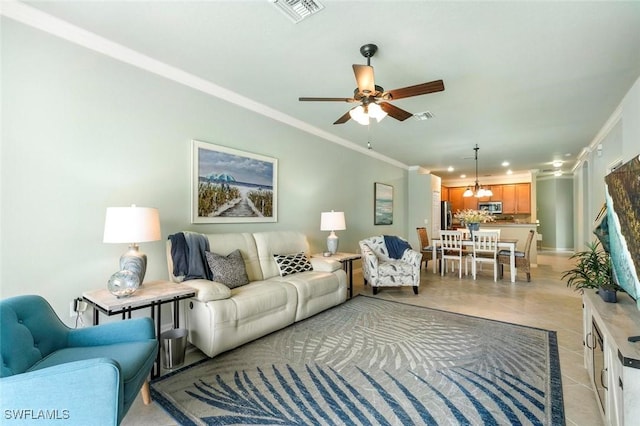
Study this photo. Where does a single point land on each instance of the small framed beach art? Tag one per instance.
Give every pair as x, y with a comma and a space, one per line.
383, 204
232, 186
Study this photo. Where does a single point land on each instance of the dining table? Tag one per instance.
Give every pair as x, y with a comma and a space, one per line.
503, 244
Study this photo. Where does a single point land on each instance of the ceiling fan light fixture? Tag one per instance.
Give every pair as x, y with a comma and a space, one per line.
376, 112
359, 115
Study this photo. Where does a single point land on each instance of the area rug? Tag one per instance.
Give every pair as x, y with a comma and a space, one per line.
376, 362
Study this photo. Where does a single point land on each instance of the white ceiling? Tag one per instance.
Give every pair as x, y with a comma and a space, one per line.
529, 82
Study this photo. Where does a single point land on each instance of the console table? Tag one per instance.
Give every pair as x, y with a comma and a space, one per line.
347, 264
151, 295
612, 361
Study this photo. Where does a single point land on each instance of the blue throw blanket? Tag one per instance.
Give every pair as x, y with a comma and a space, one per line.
396, 246
187, 253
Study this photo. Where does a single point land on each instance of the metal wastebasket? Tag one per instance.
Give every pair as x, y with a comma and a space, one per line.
174, 346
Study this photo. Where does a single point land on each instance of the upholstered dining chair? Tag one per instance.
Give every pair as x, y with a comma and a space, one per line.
485, 250
384, 266
425, 249
523, 261
88, 375
451, 243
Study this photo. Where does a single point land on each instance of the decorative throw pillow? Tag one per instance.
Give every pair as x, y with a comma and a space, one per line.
291, 263
228, 270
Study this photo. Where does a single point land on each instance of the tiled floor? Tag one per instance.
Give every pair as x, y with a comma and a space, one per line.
545, 302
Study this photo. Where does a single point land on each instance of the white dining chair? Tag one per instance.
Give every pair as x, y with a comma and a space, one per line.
485, 250
451, 243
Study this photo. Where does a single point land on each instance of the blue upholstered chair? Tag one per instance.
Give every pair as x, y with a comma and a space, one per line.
85, 376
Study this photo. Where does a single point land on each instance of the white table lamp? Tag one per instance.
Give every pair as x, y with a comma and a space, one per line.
132, 225
332, 221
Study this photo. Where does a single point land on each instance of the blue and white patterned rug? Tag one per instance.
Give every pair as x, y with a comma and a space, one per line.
376, 362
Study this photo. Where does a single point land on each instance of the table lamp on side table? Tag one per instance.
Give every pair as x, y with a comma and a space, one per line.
332, 221
132, 225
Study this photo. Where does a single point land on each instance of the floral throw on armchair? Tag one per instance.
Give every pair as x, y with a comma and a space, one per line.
381, 270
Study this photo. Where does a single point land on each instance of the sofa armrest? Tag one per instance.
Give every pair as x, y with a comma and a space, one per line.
325, 265
209, 290
412, 257
133, 330
66, 393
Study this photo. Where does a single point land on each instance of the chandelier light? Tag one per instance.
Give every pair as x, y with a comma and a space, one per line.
478, 190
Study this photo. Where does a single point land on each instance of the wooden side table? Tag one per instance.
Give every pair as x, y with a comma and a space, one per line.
151, 295
347, 264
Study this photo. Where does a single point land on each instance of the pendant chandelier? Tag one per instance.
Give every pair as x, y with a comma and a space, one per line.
478, 190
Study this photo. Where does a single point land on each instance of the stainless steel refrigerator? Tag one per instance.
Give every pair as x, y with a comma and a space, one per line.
446, 217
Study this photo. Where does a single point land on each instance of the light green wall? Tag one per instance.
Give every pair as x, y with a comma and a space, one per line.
81, 132
617, 141
555, 212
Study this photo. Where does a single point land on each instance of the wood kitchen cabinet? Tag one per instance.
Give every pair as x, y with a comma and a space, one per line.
459, 202
516, 198
444, 193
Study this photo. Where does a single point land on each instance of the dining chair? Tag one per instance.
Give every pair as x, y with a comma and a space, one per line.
521, 257
426, 249
485, 250
451, 243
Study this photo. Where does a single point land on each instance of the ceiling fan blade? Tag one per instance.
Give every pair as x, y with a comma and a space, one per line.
394, 111
327, 99
364, 78
346, 117
418, 89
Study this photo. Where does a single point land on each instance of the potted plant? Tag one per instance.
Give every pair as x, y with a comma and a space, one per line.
593, 270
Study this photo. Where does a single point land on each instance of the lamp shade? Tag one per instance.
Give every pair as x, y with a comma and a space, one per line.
131, 225
332, 221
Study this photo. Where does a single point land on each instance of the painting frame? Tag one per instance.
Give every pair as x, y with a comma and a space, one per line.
232, 186
382, 204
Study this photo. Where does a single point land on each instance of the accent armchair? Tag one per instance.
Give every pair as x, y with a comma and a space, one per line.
381, 269
77, 376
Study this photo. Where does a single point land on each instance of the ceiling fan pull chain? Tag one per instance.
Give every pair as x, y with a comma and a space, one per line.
369, 135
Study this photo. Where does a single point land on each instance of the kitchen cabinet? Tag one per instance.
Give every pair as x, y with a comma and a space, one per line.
459, 202
444, 193
516, 198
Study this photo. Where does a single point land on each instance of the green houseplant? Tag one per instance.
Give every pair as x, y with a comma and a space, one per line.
593, 270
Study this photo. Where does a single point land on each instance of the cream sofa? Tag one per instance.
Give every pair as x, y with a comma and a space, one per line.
219, 318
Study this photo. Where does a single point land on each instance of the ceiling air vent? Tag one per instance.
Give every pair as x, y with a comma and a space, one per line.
297, 10
423, 115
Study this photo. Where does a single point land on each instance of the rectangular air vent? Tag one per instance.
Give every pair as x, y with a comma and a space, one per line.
423, 115
297, 10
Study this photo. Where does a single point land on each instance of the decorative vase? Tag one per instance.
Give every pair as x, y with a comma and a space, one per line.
609, 296
473, 226
123, 283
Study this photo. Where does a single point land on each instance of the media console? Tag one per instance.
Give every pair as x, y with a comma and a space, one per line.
613, 362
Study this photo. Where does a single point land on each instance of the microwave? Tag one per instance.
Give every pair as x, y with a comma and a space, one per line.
493, 207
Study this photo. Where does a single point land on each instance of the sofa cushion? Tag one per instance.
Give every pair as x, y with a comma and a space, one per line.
209, 290
228, 270
292, 263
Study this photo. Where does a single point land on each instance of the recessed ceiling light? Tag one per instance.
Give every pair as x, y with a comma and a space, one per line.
505, 163
463, 176
450, 169
557, 163
557, 173
509, 172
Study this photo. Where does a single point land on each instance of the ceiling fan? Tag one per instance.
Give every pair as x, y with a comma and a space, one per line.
373, 99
